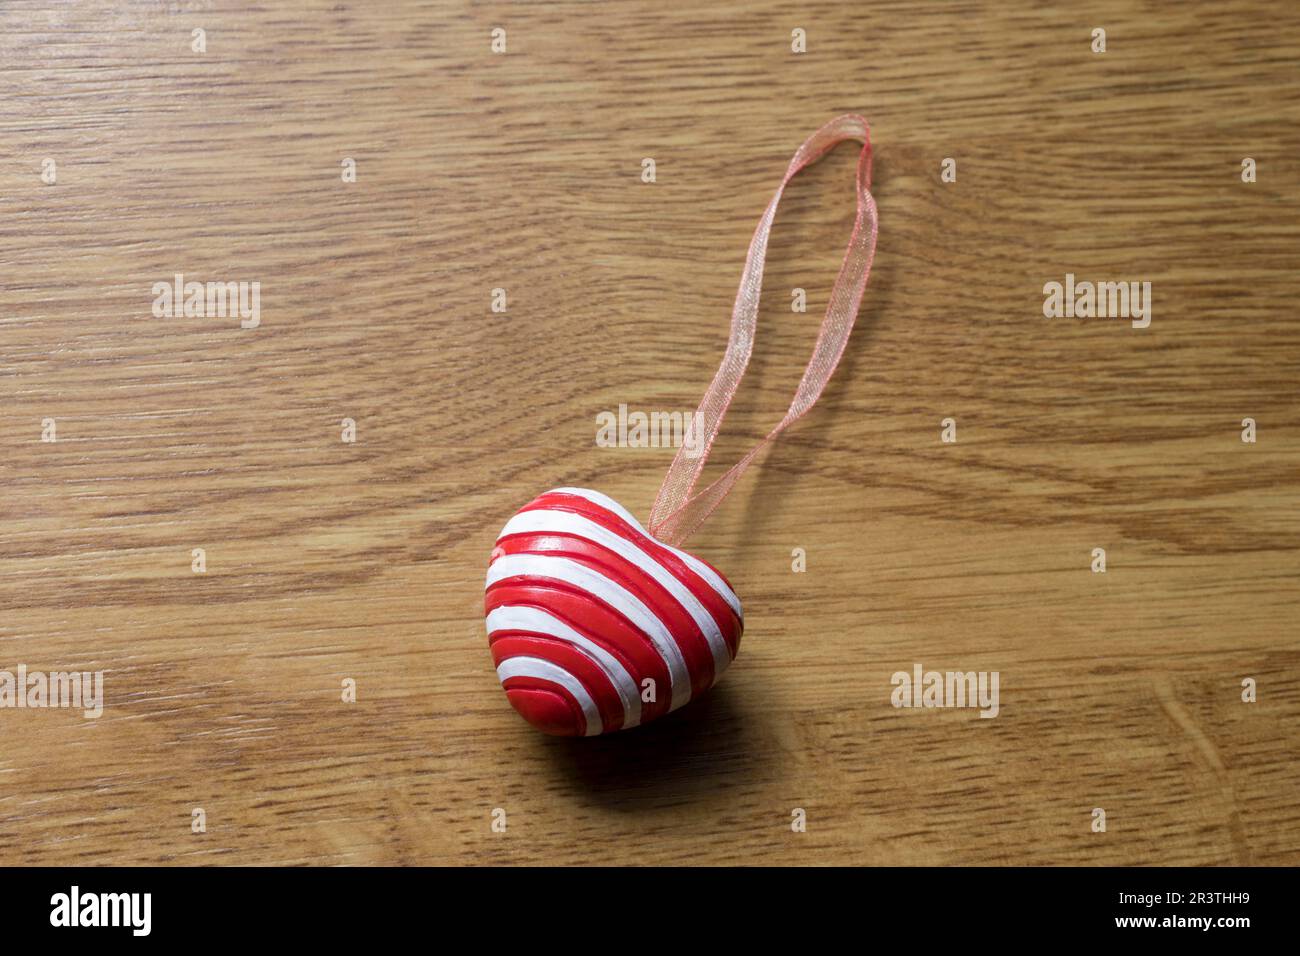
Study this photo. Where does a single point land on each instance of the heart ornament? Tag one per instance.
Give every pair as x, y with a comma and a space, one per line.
598, 624
594, 625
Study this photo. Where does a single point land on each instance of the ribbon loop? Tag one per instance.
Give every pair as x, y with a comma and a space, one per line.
679, 510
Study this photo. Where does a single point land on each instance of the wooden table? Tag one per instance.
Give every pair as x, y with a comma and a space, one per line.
328, 561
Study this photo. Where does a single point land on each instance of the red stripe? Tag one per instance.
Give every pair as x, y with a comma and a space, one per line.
594, 620
591, 675
548, 707
680, 625
728, 623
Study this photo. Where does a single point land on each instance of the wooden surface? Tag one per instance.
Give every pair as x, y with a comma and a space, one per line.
328, 560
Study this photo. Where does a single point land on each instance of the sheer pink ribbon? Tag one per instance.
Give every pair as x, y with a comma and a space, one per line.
679, 510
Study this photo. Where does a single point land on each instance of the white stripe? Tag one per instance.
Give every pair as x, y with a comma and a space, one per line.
536, 621
710, 576
566, 522
612, 593
545, 670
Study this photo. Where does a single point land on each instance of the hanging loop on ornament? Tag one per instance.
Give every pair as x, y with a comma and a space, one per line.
678, 509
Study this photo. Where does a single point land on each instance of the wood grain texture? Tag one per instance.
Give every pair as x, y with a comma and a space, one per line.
328, 560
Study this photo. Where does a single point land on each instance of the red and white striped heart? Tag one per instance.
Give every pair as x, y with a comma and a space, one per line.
594, 624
